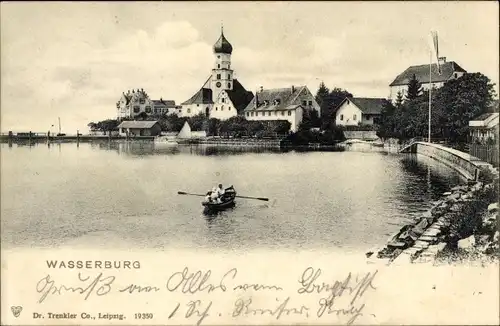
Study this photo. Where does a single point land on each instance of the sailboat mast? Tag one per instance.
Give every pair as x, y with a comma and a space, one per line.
59, 124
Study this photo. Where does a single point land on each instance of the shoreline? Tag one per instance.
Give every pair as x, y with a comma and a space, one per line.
463, 224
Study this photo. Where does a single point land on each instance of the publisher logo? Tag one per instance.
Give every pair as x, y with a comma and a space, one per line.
16, 310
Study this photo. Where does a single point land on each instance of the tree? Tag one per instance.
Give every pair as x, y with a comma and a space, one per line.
399, 100
414, 89
329, 100
321, 94
461, 100
142, 116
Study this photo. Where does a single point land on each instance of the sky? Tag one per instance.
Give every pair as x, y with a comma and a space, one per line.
73, 60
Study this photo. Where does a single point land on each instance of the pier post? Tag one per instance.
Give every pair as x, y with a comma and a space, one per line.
30, 137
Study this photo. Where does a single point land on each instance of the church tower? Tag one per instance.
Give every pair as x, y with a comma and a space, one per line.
222, 74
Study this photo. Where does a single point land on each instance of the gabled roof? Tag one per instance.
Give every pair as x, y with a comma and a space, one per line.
286, 96
367, 105
164, 103
239, 96
485, 120
137, 124
203, 96
421, 72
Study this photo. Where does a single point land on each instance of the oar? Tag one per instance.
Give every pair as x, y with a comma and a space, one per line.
258, 198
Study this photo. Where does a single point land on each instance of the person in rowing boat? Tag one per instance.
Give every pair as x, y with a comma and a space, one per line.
220, 190
208, 197
215, 196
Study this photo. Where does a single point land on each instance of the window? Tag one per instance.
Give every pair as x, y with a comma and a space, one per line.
156, 110
218, 66
341, 117
275, 113
216, 108
229, 76
269, 113
456, 75
148, 109
228, 85
141, 101
189, 110
304, 103
229, 108
222, 99
252, 114
248, 114
197, 105
222, 108
310, 102
282, 112
354, 117
289, 113
136, 109
218, 76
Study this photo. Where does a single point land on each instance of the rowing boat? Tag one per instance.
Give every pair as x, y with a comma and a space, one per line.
227, 201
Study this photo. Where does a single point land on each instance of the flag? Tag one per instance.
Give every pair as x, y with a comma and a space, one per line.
436, 49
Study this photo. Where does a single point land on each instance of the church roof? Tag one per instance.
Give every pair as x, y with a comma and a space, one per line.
421, 72
203, 96
286, 96
239, 96
222, 45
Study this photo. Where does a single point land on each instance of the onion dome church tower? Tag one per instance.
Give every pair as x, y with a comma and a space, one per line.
222, 74
221, 96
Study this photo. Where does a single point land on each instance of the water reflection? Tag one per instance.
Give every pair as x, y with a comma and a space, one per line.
126, 192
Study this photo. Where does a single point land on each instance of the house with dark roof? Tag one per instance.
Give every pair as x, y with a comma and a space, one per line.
359, 111
135, 102
139, 128
434, 75
221, 96
282, 104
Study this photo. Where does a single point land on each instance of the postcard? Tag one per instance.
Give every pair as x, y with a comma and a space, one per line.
249, 163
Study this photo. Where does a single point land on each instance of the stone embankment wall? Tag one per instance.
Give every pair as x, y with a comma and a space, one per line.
466, 216
464, 163
359, 134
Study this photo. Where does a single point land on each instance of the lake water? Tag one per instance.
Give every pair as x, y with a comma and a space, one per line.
124, 196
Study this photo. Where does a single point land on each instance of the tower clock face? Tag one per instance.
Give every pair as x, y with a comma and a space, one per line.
218, 84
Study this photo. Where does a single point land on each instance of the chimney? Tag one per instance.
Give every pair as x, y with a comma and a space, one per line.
442, 60
261, 88
293, 89
256, 100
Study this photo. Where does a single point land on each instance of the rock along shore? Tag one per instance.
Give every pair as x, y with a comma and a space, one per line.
464, 220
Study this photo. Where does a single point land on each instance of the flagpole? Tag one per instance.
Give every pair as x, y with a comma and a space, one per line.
430, 97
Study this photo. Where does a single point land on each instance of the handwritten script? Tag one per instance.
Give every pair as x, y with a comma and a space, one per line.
313, 296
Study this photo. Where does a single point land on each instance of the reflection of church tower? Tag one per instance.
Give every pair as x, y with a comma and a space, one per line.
222, 75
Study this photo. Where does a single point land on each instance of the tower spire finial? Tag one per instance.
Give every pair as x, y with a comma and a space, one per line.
221, 27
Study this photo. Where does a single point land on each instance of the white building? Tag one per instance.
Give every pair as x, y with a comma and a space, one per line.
449, 70
484, 128
359, 111
282, 104
221, 96
135, 102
